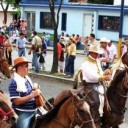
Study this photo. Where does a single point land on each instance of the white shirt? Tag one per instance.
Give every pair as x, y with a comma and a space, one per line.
91, 70
112, 52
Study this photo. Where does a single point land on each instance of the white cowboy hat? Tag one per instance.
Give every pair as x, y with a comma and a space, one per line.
95, 48
104, 39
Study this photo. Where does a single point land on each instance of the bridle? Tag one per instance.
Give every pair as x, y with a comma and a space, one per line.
77, 115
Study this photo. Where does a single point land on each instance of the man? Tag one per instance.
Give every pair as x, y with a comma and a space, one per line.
112, 51
36, 49
23, 93
125, 49
92, 78
104, 58
21, 45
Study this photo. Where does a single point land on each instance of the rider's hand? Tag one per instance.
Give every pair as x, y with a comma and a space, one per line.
106, 77
107, 72
36, 92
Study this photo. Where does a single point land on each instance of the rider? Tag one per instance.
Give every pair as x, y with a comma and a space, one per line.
23, 93
92, 82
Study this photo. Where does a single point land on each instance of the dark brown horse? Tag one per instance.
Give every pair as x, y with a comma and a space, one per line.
7, 114
117, 94
69, 111
4, 66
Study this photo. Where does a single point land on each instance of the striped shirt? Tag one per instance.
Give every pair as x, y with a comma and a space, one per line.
27, 106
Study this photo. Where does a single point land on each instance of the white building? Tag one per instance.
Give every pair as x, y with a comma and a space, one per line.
102, 20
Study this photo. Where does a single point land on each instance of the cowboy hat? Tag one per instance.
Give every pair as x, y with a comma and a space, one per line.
95, 48
19, 61
104, 39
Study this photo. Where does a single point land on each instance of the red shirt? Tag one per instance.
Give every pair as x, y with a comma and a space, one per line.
59, 50
1, 40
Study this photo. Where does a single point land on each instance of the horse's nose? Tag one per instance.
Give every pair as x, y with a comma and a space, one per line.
13, 119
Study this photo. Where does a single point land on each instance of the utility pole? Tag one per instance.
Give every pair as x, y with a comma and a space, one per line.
121, 29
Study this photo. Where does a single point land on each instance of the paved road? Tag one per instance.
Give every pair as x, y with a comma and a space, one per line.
52, 88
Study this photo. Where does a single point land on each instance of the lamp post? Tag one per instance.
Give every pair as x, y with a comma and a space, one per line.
121, 28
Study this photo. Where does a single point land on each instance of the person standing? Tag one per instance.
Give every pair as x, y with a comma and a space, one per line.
36, 49
125, 49
22, 93
69, 67
112, 49
105, 55
21, 45
9, 49
92, 76
43, 54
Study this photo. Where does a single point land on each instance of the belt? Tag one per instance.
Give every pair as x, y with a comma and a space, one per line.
89, 84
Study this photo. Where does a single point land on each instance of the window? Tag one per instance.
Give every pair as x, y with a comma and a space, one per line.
45, 20
64, 21
110, 23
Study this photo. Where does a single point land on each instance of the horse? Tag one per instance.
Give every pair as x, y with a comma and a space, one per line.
69, 110
116, 96
4, 66
7, 115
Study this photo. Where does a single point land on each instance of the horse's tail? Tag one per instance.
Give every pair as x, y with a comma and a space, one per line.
77, 79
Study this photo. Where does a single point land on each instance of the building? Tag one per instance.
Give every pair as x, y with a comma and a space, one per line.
10, 15
75, 18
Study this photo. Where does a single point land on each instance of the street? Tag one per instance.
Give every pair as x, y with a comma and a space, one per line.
51, 88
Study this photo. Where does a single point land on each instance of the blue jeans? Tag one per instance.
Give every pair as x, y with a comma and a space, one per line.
24, 119
22, 52
70, 65
35, 62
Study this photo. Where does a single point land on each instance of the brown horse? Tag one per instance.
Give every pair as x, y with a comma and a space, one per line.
7, 114
4, 66
68, 112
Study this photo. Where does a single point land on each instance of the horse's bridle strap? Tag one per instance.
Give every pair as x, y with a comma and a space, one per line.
5, 114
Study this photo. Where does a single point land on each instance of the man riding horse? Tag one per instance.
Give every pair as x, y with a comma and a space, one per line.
93, 76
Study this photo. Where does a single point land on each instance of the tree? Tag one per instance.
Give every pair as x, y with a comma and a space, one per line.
5, 5
55, 23
101, 1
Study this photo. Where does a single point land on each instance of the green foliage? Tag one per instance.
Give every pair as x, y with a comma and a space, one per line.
101, 1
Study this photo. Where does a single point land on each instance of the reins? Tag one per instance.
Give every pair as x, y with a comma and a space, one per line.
5, 115
77, 115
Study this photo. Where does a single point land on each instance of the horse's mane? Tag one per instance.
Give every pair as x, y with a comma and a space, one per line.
113, 85
52, 113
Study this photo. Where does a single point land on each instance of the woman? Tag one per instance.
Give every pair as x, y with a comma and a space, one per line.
69, 69
9, 48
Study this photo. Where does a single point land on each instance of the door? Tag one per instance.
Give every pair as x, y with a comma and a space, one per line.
30, 20
87, 28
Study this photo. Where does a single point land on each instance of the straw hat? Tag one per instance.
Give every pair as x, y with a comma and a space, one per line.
19, 61
71, 38
95, 48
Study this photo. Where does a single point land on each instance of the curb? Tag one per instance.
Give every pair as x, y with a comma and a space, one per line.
50, 77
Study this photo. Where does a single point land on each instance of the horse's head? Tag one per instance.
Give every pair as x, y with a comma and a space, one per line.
76, 110
4, 67
6, 112
80, 113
